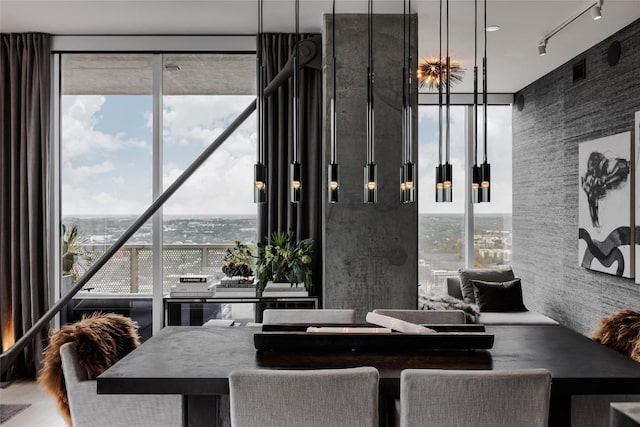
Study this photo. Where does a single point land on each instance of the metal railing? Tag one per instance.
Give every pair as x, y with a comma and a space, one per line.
130, 269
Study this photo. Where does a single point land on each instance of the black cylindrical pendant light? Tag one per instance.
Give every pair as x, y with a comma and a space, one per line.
407, 174
447, 170
475, 170
439, 167
259, 169
333, 174
370, 169
485, 169
295, 171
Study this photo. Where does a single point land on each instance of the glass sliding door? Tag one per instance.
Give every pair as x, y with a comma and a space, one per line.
202, 95
105, 173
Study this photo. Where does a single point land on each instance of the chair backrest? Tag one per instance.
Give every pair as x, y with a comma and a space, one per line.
312, 398
95, 410
479, 398
425, 316
336, 317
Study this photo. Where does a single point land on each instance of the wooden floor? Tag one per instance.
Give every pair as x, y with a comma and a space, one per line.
42, 412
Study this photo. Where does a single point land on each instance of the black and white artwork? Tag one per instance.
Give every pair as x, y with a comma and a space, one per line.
606, 212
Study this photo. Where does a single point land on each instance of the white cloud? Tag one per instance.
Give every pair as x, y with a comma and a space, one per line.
80, 115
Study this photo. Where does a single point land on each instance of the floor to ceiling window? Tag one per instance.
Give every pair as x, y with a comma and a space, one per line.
442, 241
109, 155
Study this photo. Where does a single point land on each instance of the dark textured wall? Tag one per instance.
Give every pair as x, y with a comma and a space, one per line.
559, 114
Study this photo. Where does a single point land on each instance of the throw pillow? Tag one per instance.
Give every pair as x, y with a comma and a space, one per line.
486, 275
499, 297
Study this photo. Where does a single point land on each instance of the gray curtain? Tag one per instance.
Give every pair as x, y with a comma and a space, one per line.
279, 214
24, 157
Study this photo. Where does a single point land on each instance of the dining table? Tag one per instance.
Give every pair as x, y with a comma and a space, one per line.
195, 362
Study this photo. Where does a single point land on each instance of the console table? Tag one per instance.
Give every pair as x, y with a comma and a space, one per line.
196, 311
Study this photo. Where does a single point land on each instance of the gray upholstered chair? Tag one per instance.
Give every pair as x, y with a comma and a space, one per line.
312, 398
95, 410
425, 316
336, 317
474, 398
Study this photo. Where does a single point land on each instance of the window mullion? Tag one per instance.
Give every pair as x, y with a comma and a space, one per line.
157, 298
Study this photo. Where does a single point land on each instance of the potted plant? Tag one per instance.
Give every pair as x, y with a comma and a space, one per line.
283, 259
239, 261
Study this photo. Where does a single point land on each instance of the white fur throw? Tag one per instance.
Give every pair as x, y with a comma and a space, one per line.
447, 302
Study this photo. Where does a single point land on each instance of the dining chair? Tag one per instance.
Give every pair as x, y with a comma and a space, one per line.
328, 316
425, 316
479, 398
112, 410
311, 398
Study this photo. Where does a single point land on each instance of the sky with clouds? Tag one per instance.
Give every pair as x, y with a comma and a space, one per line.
106, 156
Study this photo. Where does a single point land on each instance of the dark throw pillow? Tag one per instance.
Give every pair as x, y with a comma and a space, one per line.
499, 297
485, 275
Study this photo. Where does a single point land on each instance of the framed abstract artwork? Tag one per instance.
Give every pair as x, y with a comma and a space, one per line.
606, 205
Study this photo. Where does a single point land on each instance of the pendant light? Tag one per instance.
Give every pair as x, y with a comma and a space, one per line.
475, 170
439, 180
259, 169
485, 169
296, 173
447, 169
334, 172
407, 170
370, 169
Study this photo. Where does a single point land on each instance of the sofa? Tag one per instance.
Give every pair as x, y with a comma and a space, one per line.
528, 317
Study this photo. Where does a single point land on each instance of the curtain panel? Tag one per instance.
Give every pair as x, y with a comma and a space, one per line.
279, 214
25, 78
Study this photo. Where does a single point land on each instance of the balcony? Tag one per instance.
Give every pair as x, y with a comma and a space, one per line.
130, 270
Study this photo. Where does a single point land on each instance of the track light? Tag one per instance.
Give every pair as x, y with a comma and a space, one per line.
596, 13
542, 48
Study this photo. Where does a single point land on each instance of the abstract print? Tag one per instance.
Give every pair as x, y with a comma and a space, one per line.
605, 215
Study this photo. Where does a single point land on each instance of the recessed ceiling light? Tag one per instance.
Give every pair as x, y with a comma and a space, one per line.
172, 67
491, 28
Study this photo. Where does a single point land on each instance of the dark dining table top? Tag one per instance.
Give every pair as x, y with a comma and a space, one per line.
198, 360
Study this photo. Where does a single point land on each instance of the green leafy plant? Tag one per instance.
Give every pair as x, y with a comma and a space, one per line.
239, 260
282, 259
70, 251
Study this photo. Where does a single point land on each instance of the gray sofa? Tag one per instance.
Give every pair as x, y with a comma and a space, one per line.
512, 318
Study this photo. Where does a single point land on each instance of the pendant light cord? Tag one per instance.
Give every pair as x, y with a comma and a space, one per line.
448, 140
475, 84
409, 86
296, 94
484, 82
260, 86
370, 136
440, 94
333, 91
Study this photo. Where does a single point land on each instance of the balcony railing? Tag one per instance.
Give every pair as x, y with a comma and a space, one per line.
130, 269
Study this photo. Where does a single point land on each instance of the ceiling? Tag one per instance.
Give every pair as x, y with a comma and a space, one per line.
513, 60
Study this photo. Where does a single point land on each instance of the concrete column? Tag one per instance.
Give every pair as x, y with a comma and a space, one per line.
370, 251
